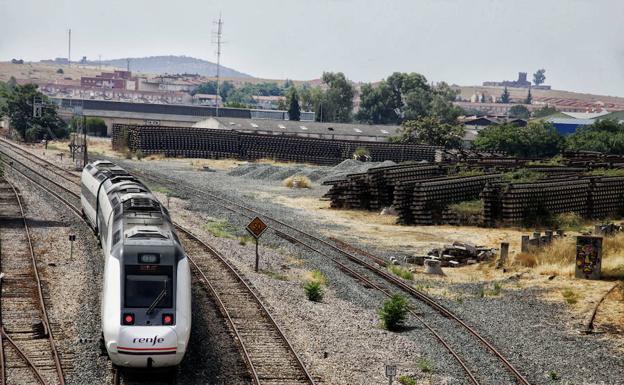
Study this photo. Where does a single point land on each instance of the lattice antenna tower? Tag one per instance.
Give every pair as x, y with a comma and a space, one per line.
69, 48
217, 39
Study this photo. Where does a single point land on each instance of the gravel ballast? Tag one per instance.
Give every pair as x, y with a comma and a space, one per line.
538, 337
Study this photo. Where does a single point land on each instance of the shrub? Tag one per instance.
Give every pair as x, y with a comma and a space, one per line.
407, 380
570, 296
394, 312
522, 175
314, 291
425, 365
402, 272
318, 276
220, 228
569, 221
465, 173
465, 208
361, 151
139, 154
297, 181
276, 275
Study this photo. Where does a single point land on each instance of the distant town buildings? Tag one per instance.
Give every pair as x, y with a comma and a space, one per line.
111, 80
522, 82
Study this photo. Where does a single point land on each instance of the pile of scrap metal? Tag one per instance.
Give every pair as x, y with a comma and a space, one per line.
461, 253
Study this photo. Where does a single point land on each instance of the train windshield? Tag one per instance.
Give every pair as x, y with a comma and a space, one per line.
149, 289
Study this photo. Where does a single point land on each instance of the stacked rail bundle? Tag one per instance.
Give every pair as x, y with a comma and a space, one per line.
351, 192
593, 159
524, 202
606, 197
374, 189
290, 149
383, 180
491, 196
431, 198
215, 143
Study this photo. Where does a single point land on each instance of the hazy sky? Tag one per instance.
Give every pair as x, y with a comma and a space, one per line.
580, 43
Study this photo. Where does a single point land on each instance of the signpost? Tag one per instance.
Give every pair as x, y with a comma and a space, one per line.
256, 228
72, 238
390, 372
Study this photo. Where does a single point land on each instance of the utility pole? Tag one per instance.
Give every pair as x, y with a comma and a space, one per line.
219, 24
69, 50
100, 61
128, 64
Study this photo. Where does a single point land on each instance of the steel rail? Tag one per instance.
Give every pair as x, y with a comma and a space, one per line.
394, 280
258, 301
42, 306
362, 278
206, 281
414, 292
21, 151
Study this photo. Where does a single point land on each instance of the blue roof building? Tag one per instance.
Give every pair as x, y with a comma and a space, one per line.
567, 126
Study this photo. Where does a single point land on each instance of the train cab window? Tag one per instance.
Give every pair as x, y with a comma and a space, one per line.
148, 286
116, 237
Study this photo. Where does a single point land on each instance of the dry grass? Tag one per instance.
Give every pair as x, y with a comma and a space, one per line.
558, 258
297, 181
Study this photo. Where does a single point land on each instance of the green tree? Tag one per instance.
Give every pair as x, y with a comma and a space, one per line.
294, 110
376, 105
210, 88
519, 111
529, 98
337, 102
407, 96
18, 107
309, 98
544, 111
95, 126
505, 98
430, 130
605, 136
537, 139
539, 77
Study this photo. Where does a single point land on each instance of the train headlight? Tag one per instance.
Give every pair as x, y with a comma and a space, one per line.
167, 319
128, 319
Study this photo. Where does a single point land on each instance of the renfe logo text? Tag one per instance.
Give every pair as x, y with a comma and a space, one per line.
150, 340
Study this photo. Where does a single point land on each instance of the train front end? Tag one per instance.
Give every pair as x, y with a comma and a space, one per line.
147, 320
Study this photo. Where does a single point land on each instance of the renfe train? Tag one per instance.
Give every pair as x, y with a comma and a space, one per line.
146, 295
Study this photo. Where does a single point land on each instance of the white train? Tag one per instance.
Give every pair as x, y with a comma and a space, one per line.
146, 296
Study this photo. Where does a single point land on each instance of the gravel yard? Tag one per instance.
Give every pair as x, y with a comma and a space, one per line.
340, 338
538, 334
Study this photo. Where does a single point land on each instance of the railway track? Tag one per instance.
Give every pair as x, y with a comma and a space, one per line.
268, 354
28, 352
370, 269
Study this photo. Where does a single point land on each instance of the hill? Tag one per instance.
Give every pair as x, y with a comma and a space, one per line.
172, 65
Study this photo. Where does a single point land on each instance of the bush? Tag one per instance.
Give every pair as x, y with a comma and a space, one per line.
425, 365
569, 221
407, 380
537, 139
314, 291
297, 181
394, 312
473, 207
361, 151
402, 272
570, 296
522, 175
139, 154
605, 135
